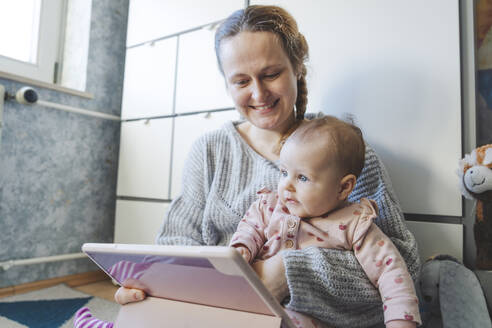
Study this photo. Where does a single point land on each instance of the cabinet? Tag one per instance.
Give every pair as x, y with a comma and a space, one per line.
144, 218
148, 88
145, 159
150, 19
170, 72
450, 239
199, 83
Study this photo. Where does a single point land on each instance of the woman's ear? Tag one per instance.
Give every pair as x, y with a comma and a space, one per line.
347, 184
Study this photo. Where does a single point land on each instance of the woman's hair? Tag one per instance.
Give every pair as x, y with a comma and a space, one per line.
278, 21
344, 140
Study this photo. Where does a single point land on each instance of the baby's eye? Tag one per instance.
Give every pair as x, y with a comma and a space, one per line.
303, 178
283, 173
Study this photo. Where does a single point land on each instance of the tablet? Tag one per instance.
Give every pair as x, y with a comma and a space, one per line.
213, 276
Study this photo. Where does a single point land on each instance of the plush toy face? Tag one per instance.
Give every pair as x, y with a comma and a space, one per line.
476, 172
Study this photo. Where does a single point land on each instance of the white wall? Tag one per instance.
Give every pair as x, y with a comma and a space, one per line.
395, 65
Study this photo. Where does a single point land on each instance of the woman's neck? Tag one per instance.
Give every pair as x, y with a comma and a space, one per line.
264, 142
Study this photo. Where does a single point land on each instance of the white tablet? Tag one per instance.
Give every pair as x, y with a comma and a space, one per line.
211, 276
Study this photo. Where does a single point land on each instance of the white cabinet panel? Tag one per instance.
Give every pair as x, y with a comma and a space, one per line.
438, 238
187, 130
138, 222
144, 163
200, 84
150, 19
396, 67
148, 88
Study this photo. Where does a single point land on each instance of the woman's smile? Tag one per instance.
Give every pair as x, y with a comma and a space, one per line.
265, 109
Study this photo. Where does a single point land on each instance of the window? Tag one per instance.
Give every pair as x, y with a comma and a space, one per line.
45, 40
30, 37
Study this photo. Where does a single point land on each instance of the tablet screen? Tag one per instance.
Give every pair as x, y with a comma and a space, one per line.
180, 278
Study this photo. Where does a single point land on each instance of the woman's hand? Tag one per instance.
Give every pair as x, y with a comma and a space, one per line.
126, 295
272, 274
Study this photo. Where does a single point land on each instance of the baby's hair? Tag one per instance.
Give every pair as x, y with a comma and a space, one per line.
345, 141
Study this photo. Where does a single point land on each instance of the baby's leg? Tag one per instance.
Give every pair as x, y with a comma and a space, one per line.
84, 319
304, 321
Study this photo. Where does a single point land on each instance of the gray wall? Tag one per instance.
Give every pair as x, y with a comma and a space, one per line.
57, 169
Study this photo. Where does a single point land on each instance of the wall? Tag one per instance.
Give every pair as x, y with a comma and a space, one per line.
57, 169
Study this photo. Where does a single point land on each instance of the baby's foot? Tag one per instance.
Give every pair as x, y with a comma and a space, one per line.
84, 319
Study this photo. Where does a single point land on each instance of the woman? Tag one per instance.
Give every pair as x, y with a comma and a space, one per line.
261, 55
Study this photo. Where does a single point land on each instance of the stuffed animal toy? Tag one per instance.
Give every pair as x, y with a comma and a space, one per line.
450, 295
475, 171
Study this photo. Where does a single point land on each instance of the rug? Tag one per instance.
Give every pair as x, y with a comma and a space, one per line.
52, 307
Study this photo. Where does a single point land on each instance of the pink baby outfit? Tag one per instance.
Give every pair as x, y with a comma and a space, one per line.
268, 228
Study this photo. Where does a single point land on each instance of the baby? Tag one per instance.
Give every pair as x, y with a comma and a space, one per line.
319, 165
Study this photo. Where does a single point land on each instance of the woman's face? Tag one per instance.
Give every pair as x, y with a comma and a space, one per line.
260, 79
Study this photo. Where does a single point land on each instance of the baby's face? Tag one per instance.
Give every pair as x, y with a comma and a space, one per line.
310, 183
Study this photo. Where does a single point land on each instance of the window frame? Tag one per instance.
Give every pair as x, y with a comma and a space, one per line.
51, 24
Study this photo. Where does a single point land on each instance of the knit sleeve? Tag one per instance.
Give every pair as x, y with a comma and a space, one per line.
182, 224
330, 284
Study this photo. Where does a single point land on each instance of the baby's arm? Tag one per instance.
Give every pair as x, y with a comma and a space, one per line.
401, 324
250, 236
386, 269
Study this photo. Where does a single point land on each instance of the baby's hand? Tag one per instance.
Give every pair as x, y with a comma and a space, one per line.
401, 324
127, 295
245, 253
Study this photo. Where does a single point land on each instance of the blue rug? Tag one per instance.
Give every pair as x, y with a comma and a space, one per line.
42, 314
52, 307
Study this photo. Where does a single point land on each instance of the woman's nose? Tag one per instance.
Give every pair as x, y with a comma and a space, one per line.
259, 92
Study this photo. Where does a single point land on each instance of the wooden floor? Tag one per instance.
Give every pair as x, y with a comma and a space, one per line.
95, 283
103, 289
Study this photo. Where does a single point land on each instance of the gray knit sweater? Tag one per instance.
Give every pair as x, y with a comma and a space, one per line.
220, 180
